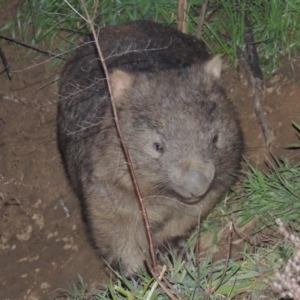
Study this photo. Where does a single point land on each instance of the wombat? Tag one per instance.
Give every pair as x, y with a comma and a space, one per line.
182, 133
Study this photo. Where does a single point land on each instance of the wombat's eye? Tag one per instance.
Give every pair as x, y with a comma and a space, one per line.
215, 139
158, 147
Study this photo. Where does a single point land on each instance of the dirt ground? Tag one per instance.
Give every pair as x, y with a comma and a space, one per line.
43, 244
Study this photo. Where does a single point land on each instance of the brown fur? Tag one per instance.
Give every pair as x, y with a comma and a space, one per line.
181, 131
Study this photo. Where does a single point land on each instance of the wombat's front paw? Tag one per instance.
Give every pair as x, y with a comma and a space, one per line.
180, 251
164, 254
130, 266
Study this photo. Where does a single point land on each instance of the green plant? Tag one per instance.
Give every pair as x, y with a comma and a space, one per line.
269, 196
297, 127
275, 23
186, 281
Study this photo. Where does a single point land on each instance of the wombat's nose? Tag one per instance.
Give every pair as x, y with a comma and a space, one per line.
196, 183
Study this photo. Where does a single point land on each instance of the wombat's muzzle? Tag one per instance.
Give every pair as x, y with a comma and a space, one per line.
193, 183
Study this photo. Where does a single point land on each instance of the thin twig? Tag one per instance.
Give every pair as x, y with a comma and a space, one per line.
31, 46
168, 283
201, 20
6, 64
33, 16
211, 291
124, 146
80, 15
255, 78
208, 293
181, 15
198, 245
244, 237
158, 280
197, 250
257, 87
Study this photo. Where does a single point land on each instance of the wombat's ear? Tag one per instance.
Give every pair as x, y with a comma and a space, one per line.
120, 82
213, 67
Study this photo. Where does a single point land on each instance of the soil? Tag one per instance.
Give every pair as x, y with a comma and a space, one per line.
43, 243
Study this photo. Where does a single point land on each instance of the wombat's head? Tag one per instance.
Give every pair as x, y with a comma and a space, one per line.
181, 131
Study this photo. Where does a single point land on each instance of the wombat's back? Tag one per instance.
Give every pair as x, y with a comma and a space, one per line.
144, 46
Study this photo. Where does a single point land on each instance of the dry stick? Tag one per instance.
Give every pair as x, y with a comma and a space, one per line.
181, 15
30, 46
198, 247
243, 236
201, 20
167, 282
128, 158
32, 15
211, 291
158, 280
6, 64
207, 293
257, 88
256, 82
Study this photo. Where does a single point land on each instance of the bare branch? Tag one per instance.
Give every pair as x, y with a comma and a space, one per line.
257, 86
122, 140
158, 280
130, 50
77, 12
211, 291
31, 46
181, 15
6, 64
201, 20
255, 78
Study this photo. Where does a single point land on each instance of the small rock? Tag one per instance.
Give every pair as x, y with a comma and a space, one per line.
39, 220
4, 239
37, 204
270, 90
65, 239
23, 259
45, 285
25, 235
67, 247
4, 247
275, 78
31, 259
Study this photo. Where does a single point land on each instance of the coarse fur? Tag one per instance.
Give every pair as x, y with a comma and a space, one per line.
182, 133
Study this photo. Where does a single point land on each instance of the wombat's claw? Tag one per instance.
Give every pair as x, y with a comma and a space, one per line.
158, 253
180, 251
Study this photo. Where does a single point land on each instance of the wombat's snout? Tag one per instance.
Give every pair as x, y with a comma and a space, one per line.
193, 183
